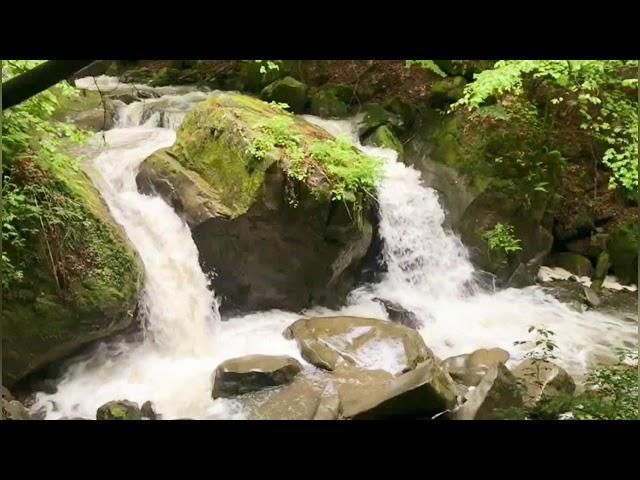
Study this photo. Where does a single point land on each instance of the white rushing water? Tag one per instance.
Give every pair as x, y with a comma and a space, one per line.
428, 273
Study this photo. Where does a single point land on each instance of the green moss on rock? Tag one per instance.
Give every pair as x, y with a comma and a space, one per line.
80, 280
287, 90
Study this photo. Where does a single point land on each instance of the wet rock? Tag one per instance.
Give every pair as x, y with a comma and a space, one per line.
327, 103
119, 410
544, 378
521, 277
469, 369
287, 90
250, 373
383, 137
301, 400
571, 262
592, 298
423, 392
623, 250
497, 391
491, 208
6, 394
404, 108
14, 410
241, 213
602, 268
331, 342
399, 314
148, 410
376, 116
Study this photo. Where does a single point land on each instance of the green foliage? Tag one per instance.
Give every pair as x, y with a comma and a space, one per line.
603, 91
350, 173
501, 238
267, 65
427, 65
34, 204
611, 391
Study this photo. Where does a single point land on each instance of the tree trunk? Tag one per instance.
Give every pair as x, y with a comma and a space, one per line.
30, 83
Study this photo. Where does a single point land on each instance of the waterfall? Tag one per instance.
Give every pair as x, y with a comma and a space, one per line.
428, 272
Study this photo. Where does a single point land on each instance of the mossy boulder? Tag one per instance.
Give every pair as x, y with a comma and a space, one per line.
447, 91
287, 90
376, 116
254, 76
75, 288
327, 102
119, 410
88, 110
250, 205
176, 76
572, 262
623, 252
383, 137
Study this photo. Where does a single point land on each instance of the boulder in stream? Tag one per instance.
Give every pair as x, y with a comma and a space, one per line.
544, 378
119, 410
241, 375
365, 343
250, 206
398, 314
469, 369
497, 392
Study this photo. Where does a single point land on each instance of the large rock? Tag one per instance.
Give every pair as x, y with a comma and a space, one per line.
119, 410
383, 137
447, 91
497, 392
623, 251
491, 208
303, 399
326, 102
90, 293
365, 343
241, 375
544, 378
423, 392
287, 90
248, 215
14, 410
376, 116
470, 368
573, 262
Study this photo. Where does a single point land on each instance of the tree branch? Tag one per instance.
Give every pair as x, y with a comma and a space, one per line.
38, 79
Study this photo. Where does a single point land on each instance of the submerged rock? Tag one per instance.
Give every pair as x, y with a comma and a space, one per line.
248, 214
119, 410
469, 369
399, 314
241, 375
497, 391
544, 378
331, 342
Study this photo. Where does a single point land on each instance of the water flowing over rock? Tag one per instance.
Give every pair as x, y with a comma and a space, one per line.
398, 314
246, 374
367, 343
242, 223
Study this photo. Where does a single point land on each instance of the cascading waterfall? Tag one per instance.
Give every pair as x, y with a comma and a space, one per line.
428, 272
